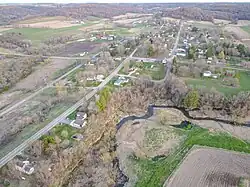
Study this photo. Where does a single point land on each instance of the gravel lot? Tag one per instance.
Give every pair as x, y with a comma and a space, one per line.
207, 167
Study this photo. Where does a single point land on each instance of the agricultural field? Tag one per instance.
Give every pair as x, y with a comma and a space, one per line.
246, 28
243, 84
152, 172
212, 167
149, 159
37, 35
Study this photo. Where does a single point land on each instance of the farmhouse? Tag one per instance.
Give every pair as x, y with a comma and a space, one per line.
120, 81
207, 74
80, 120
24, 167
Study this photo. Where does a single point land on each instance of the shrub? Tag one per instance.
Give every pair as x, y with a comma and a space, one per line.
64, 134
192, 99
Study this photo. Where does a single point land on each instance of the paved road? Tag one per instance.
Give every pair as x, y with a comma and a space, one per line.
38, 91
57, 120
147, 59
52, 57
171, 58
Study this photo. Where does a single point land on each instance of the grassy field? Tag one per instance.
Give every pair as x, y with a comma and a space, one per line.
40, 34
246, 28
154, 172
157, 72
216, 83
37, 35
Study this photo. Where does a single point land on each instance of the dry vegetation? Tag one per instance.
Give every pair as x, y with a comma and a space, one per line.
211, 167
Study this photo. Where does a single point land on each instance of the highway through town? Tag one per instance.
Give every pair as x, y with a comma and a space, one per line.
57, 120
38, 91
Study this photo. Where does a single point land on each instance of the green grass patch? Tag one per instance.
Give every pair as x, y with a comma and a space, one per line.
64, 131
153, 173
155, 70
72, 116
36, 35
244, 85
246, 28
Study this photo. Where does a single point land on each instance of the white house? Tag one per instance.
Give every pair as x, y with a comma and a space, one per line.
24, 167
100, 78
207, 74
80, 120
209, 61
181, 54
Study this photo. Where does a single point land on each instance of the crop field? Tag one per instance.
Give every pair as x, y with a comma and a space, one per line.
154, 172
246, 28
211, 167
216, 83
37, 35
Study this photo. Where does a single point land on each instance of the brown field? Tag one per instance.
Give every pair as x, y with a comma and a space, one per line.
77, 47
207, 167
4, 29
97, 27
238, 32
43, 19
126, 21
55, 24
46, 72
130, 15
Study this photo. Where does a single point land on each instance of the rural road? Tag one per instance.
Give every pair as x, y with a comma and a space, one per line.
51, 57
57, 120
38, 91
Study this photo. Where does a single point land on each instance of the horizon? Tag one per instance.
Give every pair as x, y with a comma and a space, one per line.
118, 1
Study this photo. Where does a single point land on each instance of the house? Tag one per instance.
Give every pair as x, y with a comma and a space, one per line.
80, 120
181, 54
230, 73
111, 37
164, 61
100, 78
120, 81
207, 74
104, 37
24, 167
209, 61
118, 59
215, 76
179, 50
92, 39
83, 54
210, 58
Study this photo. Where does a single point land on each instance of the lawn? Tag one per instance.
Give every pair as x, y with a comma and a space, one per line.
157, 72
64, 131
154, 172
216, 83
246, 28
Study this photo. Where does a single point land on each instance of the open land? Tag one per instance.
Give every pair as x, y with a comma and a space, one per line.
211, 167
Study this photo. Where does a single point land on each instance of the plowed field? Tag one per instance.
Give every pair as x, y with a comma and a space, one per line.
207, 167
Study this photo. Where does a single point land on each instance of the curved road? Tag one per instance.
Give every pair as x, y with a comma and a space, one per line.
57, 120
